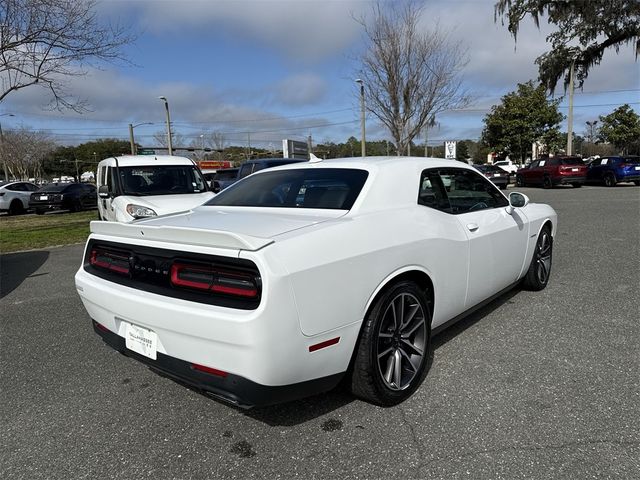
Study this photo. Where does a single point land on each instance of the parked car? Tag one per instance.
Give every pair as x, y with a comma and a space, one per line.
14, 196
139, 186
301, 276
549, 172
496, 174
252, 166
64, 196
223, 178
611, 170
507, 165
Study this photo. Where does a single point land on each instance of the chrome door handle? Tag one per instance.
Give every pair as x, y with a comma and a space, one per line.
472, 227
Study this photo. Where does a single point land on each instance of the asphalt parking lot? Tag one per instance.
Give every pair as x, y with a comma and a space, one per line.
535, 385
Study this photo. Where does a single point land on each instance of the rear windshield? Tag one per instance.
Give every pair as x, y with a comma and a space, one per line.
226, 174
54, 187
571, 161
631, 160
328, 188
161, 180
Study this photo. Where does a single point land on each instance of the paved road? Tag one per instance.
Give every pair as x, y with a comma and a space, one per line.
536, 385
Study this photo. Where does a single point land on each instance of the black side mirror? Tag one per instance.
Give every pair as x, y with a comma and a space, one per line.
103, 191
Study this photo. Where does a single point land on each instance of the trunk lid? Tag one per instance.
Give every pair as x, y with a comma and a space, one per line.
237, 228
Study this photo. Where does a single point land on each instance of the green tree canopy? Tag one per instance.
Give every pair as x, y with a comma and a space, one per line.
585, 30
523, 117
622, 129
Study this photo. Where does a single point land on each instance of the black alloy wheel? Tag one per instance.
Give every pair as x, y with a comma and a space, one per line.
610, 180
539, 271
394, 349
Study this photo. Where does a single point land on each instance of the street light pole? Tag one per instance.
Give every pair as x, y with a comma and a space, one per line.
131, 141
4, 162
362, 117
166, 106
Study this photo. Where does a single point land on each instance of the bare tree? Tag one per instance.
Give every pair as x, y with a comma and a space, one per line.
177, 139
46, 42
24, 150
410, 74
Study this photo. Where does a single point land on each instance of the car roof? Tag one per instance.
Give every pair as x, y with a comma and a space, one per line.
145, 160
379, 163
399, 175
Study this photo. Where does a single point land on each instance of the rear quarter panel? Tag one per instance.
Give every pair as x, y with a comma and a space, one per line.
338, 268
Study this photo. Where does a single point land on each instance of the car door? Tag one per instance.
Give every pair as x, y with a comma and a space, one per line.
497, 240
106, 176
532, 174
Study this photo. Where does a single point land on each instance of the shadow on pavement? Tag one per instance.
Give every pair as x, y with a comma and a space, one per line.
471, 319
301, 411
16, 267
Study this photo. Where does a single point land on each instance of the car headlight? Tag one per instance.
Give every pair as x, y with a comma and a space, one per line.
138, 211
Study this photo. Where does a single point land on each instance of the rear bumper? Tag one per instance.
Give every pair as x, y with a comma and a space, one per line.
231, 388
266, 357
48, 205
568, 180
629, 178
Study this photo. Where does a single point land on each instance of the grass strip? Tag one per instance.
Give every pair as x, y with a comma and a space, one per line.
28, 232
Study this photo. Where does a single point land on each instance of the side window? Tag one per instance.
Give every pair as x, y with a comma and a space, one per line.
102, 176
468, 191
31, 187
432, 192
534, 164
245, 170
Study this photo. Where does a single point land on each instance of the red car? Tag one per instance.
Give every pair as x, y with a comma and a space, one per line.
550, 172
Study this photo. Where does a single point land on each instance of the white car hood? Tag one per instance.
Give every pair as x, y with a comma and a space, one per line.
163, 204
256, 222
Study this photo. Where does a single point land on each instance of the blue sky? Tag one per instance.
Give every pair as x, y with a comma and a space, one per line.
269, 70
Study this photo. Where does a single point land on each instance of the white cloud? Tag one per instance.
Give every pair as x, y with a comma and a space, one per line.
307, 30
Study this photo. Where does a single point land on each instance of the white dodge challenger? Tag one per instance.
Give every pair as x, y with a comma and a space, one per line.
301, 276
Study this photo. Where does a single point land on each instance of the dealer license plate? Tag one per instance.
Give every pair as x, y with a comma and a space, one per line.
574, 169
496, 174
141, 340
637, 168
43, 197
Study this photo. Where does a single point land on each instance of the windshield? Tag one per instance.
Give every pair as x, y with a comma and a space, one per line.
161, 180
329, 188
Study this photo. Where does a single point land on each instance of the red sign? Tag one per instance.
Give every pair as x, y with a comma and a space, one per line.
214, 164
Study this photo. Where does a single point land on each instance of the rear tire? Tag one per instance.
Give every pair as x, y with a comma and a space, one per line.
576, 185
637, 183
519, 181
39, 211
610, 180
547, 183
394, 349
539, 271
504, 187
16, 207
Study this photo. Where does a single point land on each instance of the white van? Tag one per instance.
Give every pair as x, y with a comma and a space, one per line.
138, 186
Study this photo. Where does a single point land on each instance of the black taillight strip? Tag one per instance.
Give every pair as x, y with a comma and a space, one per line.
210, 279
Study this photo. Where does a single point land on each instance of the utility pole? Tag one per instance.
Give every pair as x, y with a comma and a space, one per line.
169, 139
133, 145
570, 114
362, 117
309, 146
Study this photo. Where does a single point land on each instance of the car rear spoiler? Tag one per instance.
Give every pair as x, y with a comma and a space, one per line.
181, 235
